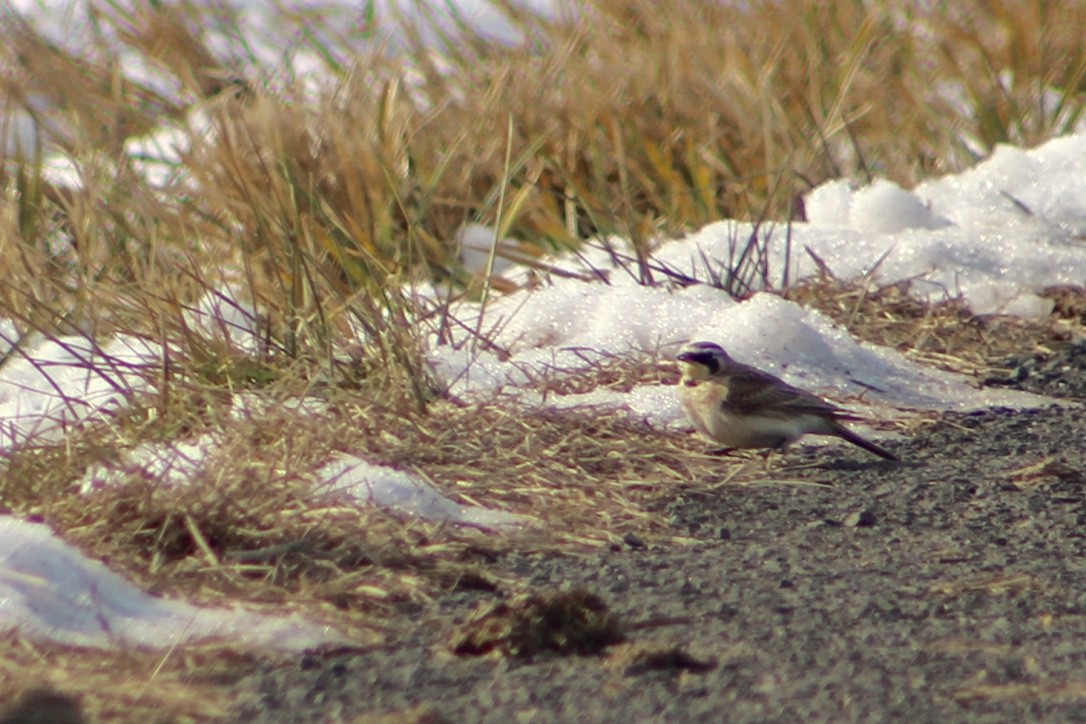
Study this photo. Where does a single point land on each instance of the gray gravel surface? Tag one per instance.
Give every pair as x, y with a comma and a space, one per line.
950, 587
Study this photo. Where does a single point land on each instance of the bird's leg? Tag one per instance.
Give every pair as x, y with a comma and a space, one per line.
768, 455
779, 447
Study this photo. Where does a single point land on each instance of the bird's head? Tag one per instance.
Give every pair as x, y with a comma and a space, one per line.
700, 360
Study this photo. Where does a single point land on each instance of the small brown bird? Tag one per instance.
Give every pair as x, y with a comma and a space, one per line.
742, 407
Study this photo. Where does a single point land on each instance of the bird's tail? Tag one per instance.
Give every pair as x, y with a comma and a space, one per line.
845, 434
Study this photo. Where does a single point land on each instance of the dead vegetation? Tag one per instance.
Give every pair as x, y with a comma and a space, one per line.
565, 622
946, 334
151, 686
253, 522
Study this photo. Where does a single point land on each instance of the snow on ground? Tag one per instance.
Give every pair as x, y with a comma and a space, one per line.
346, 478
560, 327
51, 590
968, 234
47, 385
369, 484
996, 236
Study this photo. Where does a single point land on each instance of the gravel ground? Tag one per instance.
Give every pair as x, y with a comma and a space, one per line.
949, 587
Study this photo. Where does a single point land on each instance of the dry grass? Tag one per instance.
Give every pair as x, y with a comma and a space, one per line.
632, 118
178, 685
322, 205
252, 522
945, 335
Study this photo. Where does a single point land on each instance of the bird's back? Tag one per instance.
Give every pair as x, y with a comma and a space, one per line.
752, 391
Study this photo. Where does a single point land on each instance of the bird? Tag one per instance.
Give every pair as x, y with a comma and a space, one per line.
741, 406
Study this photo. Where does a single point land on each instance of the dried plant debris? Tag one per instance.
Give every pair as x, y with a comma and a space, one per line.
947, 334
564, 622
1049, 471
1068, 301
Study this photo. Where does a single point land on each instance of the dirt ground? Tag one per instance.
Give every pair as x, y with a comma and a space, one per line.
949, 587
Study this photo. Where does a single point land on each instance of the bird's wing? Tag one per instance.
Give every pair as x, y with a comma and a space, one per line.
752, 391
